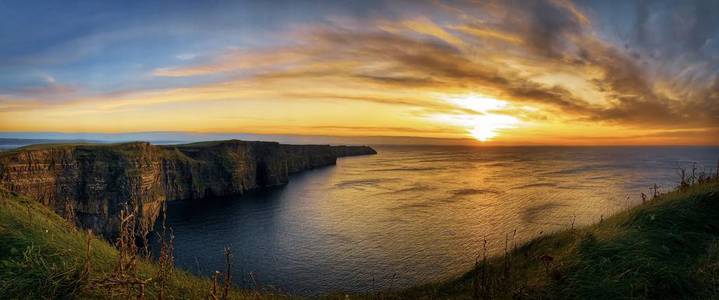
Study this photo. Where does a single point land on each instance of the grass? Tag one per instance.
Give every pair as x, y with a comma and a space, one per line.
666, 248
44, 257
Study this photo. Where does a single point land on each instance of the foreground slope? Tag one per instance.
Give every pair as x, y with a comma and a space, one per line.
667, 248
44, 257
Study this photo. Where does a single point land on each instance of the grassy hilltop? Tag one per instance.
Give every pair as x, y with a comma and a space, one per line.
666, 248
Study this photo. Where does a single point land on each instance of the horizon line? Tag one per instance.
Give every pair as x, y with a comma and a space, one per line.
192, 136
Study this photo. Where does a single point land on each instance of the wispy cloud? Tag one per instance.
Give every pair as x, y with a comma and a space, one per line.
555, 58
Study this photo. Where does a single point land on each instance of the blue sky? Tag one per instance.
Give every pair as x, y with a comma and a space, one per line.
658, 63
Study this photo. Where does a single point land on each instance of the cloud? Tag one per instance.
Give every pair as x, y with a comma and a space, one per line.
661, 76
419, 53
186, 56
414, 102
392, 55
427, 27
487, 33
237, 60
47, 88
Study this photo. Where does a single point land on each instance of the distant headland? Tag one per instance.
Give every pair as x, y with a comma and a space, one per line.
94, 182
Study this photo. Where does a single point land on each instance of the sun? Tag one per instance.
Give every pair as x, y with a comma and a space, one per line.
482, 134
487, 126
487, 123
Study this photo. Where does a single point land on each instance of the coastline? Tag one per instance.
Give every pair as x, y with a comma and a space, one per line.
585, 262
95, 182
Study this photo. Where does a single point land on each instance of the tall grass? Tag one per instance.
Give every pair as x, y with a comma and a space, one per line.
667, 247
42, 257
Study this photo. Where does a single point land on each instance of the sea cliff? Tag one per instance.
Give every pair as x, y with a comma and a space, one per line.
94, 182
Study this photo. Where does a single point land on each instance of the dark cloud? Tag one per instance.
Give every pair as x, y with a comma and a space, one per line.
425, 63
635, 98
668, 31
675, 28
639, 85
558, 33
546, 26
635, 76
659, 70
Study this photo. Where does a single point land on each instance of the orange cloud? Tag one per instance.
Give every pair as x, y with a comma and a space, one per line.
391, 77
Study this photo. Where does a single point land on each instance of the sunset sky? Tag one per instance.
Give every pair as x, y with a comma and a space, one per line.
491, 72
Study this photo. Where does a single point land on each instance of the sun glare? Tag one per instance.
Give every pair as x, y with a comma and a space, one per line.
488, 126
486, 123
483, 134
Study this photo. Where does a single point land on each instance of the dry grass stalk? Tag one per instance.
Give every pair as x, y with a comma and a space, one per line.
213, 288
506, 257
88, 262
257, 285
228, 273
69, 214
166, 261
688, 178
226, 279
655, 189
127, 258
144, 233
574, 220
481, 282
125, 276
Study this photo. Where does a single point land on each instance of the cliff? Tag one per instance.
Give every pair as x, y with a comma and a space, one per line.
94, 182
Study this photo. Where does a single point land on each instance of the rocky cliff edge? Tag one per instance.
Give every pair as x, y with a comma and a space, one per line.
93, 182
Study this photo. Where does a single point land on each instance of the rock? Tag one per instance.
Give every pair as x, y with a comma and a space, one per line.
99, 180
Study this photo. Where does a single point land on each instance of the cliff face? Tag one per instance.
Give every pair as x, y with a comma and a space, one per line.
97, 181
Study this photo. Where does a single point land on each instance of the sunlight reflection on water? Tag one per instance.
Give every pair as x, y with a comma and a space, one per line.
420, 212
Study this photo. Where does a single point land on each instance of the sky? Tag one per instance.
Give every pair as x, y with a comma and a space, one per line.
528, 72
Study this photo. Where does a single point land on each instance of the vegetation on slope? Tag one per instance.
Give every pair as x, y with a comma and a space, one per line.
665, 248
42, 256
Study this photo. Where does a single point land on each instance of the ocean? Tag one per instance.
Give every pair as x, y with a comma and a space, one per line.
415, 214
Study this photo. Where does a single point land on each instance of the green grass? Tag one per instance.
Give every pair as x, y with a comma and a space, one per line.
73, 145
667, 248
43, 257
